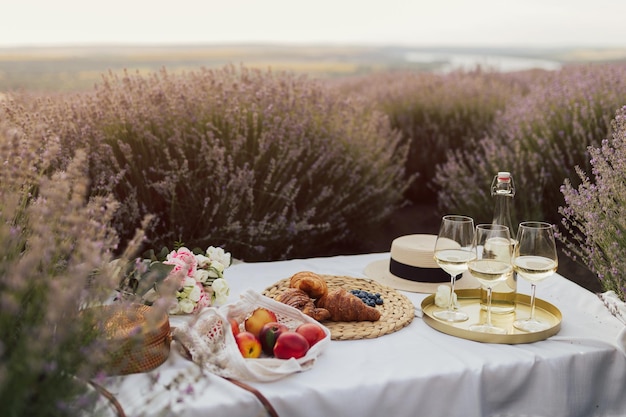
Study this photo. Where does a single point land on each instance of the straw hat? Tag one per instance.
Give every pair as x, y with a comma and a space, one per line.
411, 267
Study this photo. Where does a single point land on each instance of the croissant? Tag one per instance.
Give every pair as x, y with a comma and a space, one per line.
344, 306
309, 282
301, 300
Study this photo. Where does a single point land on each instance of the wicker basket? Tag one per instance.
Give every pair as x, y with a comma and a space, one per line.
137, 338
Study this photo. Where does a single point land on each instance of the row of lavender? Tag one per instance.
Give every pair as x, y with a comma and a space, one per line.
267, 165
553, 130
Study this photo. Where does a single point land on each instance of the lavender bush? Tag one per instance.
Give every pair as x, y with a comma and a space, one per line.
594, 215
267, 165
437, 113
540, 138
52, 241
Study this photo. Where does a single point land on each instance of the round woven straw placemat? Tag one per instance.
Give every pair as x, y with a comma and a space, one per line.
397, 311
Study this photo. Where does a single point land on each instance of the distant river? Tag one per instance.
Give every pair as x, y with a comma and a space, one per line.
452, 61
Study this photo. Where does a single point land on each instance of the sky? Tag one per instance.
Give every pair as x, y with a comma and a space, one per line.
497, 23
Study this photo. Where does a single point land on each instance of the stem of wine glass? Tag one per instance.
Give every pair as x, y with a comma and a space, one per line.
489, 290
451, 303
532, 302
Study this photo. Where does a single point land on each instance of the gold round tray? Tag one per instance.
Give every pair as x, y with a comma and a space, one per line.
469, 301
397, 311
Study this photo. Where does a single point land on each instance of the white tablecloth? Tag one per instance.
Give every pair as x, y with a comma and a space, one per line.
416, 371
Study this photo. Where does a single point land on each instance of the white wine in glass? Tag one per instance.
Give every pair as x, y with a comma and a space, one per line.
534, 259
452, 253
493, 249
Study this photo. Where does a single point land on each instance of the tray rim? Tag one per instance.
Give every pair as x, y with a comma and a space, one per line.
517, 338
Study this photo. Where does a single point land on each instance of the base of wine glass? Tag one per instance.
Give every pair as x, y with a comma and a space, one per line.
451, 315
486, 328
530, 325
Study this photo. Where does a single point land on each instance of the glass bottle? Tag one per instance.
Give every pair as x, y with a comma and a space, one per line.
503, 295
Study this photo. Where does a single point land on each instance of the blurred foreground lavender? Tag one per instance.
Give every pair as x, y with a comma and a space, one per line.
53, 239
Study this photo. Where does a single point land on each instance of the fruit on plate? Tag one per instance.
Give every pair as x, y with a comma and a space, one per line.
312, 332
268, 335
234, 325
259, 317
290, 345
248, 344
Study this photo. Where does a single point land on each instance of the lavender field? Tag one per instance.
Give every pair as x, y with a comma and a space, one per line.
274, 164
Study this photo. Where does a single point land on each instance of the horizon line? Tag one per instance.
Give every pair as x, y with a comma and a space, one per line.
326, 44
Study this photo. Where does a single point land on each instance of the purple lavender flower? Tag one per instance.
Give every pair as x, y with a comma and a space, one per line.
594, 214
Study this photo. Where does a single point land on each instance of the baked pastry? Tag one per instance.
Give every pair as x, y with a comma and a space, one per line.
344, 306
309, 282
299, 299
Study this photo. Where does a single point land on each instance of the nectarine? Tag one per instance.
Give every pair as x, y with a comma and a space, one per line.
290, 345
312, 332
268, 335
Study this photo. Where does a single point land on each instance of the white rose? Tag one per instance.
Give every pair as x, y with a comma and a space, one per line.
203, 261
221, 290
442, 297
186, 306
201, 275
195, 294
189, 282
217, 269
220, 267
218, 254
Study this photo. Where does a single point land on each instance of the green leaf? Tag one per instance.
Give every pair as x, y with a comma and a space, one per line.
163, 254
155, 275
149, 254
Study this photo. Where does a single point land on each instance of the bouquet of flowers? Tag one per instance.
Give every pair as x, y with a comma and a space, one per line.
195, 277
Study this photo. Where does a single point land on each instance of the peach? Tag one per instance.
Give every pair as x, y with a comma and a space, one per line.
312, 332
259, 317
290, 345
234, 325
248, 344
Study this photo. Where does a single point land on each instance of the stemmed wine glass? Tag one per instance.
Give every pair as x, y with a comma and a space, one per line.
452, 253
493, 249
535, 259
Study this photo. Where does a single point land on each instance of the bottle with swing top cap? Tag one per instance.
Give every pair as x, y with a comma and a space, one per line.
503, 294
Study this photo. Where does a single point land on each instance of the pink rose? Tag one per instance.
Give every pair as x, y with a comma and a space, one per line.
182, 259
204, 301
175, 278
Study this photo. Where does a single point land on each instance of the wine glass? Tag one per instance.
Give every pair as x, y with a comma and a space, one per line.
492, 263
452, 253
535, 259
